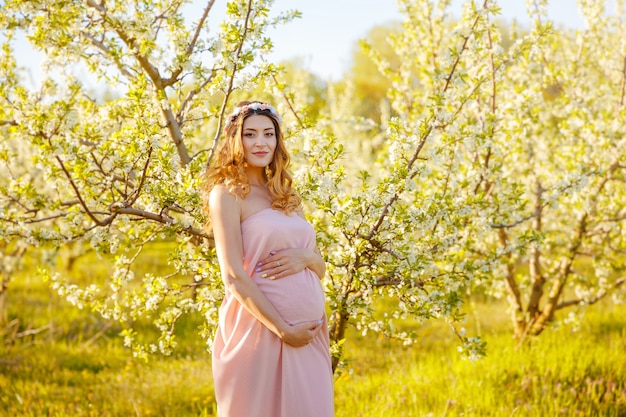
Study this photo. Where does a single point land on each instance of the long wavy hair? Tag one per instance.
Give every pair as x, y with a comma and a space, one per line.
228, 168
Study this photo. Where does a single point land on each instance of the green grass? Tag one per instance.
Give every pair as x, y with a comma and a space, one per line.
78, 367
63, 380
561, 373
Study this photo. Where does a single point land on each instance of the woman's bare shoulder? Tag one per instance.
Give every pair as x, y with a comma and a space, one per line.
219, 189
220, 198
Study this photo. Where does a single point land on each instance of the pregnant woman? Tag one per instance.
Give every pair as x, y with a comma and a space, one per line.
271, 349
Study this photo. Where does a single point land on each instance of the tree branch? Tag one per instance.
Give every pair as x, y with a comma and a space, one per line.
618, 283
106, 50
424, 135
153, 73
515, 296
623, 93
137, 191
463, 48
32, 332
563, 274
192, 44
81, 201
120, 208
289, 103
180, 116
231, 82
534, 261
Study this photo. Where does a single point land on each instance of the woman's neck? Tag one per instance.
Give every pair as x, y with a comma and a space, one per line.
255, 176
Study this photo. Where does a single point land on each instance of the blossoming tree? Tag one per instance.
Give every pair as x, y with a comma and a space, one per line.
120, 174
559, 112
504, 171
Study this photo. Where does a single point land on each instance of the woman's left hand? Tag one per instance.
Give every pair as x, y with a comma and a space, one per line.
284, 262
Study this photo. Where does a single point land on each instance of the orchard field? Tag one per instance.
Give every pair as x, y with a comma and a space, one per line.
76, 366
465, 178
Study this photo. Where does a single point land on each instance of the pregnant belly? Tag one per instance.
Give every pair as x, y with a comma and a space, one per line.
297, 298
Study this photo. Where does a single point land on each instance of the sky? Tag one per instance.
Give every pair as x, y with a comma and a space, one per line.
326, 34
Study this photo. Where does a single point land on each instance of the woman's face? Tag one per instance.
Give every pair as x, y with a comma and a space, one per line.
258, 137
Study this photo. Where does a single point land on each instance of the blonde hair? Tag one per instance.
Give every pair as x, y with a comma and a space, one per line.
228, 168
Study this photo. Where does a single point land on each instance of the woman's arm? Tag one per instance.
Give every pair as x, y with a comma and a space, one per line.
317, 264
291, 261
225, 219
287, 262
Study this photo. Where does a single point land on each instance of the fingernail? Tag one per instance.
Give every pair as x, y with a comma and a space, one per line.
259, 264
272, 252
264, 276
272, 278
258, 270
319, 322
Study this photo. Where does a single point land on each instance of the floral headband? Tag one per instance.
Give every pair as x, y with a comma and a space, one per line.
254, 106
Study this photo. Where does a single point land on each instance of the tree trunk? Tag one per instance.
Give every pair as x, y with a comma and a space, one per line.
514, 296
4, 318
337, 333
519, 330
534, 263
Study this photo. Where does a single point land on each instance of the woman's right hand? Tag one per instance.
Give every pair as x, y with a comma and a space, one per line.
302, 334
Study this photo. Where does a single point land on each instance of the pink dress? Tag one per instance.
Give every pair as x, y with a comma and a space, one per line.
254, 372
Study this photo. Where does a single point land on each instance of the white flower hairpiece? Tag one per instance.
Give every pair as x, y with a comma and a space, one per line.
254, 106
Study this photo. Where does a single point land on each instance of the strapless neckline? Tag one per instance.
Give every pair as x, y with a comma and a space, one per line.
257, 212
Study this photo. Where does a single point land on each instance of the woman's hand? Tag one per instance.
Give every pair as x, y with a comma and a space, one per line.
302, 334
285, 262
